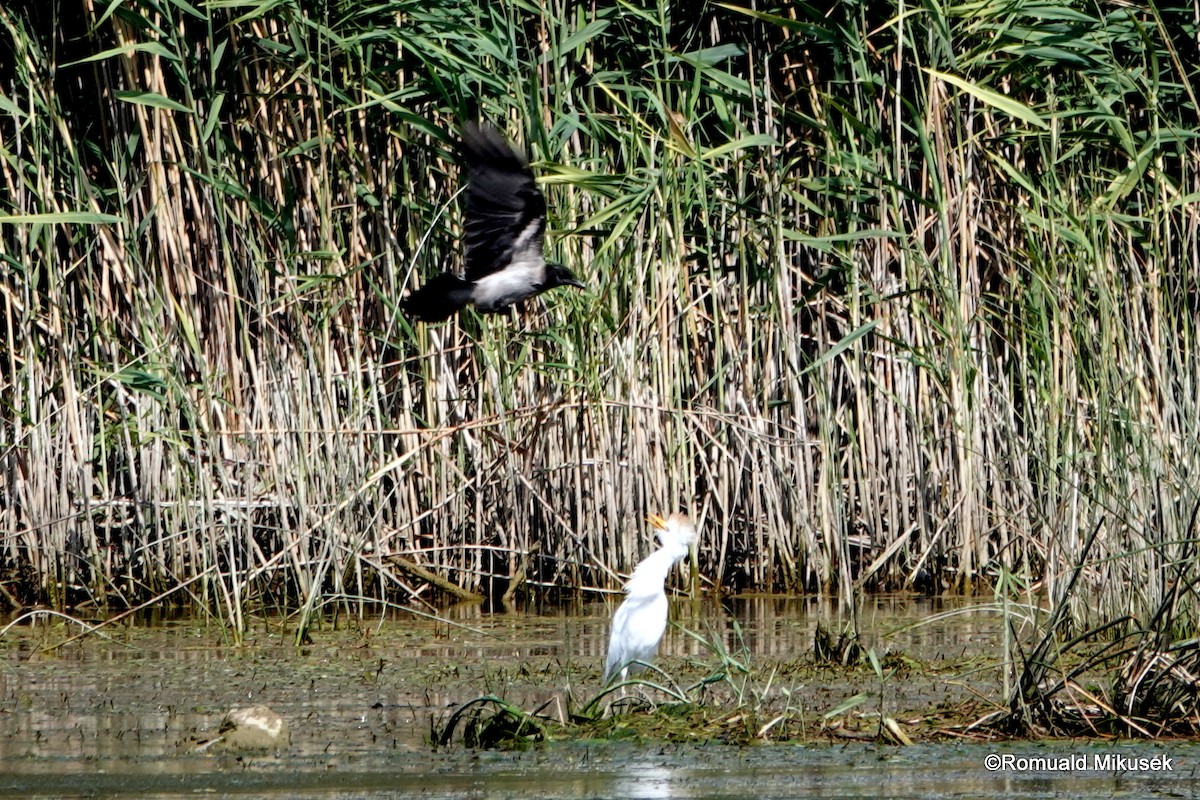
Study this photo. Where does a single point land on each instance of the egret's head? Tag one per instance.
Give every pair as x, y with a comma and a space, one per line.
676, 531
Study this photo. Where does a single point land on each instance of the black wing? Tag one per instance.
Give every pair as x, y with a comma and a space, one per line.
506, 213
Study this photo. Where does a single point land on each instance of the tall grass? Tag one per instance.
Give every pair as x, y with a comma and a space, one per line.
886, 295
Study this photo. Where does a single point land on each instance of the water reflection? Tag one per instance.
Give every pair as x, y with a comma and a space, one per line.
621, 771
649, 782
779, 628
376, 684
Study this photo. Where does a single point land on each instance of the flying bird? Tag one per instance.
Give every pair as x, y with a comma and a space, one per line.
502, 235
641, 619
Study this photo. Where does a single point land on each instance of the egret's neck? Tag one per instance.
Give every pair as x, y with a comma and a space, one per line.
651, 573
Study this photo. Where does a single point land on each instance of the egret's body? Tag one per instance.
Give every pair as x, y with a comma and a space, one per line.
641, 619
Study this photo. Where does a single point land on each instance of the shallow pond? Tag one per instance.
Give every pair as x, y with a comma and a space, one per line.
124, 715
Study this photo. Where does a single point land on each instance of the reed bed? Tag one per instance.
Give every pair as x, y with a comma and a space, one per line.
888, 296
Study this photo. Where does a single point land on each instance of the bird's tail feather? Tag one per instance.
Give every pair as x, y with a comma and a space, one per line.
439, 298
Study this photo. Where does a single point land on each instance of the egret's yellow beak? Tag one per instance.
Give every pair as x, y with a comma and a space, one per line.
657, 521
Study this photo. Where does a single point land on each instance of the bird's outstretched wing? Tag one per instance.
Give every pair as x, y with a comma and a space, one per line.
506, 213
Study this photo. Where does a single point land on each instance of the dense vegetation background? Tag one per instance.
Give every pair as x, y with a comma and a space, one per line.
887, 295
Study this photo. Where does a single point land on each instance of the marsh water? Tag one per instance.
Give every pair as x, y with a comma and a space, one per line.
126, 713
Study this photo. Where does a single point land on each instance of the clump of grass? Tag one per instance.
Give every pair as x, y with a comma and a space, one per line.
490, 723
1129, 675
842, 648
726, 698
1157, 692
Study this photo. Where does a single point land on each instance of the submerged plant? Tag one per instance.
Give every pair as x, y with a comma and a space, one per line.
489, 722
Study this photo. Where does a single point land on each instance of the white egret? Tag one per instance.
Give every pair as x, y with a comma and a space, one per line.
641, 619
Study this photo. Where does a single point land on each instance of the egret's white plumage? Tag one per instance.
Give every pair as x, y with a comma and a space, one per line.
641, 619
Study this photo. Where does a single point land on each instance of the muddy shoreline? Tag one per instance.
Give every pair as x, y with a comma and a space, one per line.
364, 699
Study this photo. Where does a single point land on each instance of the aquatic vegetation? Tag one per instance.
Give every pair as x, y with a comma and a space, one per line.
723, 698
1129, 675
489, 722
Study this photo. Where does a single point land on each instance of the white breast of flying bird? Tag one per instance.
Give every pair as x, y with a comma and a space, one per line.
520, 279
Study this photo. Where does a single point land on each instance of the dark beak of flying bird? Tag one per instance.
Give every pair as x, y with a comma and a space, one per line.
502, 235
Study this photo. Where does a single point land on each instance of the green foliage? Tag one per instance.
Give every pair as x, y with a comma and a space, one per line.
489, 722
878, 291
